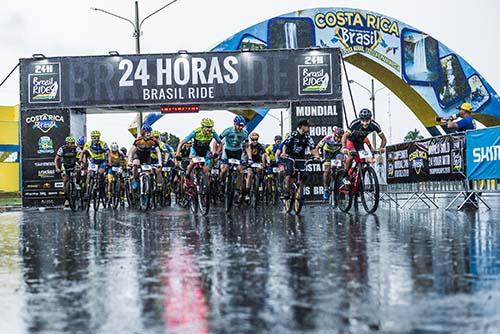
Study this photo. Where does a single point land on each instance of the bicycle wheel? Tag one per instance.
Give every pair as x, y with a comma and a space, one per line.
229, 190
342, 192
96, 197
203, 193
167, 192
116, 194
144, 195
89, 194
332, 200
254, 192
288, 202
369, 189
298, 201
72, 195
193, 195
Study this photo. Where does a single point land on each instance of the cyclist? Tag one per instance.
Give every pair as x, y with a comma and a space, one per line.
96, 151
330, 145
80, 143
66, 160
115, 159
258, 155
201, 137
295, 147
235, 139
140, 152
354, 138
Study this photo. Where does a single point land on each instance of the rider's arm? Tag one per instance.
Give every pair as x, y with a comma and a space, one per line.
344, 139
383, 143
131, 153
368, 143
158, 154
57, 162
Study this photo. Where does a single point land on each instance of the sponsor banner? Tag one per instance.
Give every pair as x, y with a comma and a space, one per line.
42, 133
271, 77
483, 154
322, 117
434, 159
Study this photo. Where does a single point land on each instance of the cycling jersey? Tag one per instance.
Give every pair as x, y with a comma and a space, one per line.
271, 151
69, 155
296, 145
330, 144
257, 152
146, 144
117, 158
185, 151
234, 140
357, 133
97, 151
164, 149
201, 141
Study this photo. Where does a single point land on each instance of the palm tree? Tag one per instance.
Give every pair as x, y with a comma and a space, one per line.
413, 135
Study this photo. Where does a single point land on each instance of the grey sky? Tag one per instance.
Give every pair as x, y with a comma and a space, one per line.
59, 27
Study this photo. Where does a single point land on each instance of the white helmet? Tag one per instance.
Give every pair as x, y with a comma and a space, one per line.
114, 147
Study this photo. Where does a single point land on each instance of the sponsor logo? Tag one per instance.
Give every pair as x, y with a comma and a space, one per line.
46, 173
487, 153
44, 122
45, 164
59, 185
314, 76
45, 145
316, 111
417, 160
44, 83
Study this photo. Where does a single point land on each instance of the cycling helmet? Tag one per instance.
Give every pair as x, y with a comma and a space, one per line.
365, 114
240, 120
123, 150
156, 133
146, 128
207, 123
254, 135
338, 132
95, 133
189, 142
278, 137
70, 139
81, 141
114, 147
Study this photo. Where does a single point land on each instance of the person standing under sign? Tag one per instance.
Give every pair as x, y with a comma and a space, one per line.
466, 122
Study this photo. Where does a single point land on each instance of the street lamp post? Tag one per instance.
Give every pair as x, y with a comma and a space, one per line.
137, 35
372, 93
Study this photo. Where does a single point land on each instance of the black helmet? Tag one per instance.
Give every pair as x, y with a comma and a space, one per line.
365, 113
278, 137
123, 150
304, 122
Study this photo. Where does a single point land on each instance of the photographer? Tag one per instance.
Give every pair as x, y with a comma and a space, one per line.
466, 122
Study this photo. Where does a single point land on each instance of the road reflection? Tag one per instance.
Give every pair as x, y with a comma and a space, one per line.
250, 271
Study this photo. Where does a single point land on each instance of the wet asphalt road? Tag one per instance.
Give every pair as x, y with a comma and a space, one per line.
415, 271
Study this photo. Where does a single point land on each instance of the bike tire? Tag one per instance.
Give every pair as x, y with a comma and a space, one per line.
89, 194
144, 193
203, 193
343, 195
116, 194
228, 199
298, 201
72, 195
373, 176
254, 192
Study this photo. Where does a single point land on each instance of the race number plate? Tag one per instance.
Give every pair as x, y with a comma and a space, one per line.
256, 165
117, 169
146, 168
276, 170
215, 171
234, 161
166, 169
365, 154
198, 159
93, 167
336, 163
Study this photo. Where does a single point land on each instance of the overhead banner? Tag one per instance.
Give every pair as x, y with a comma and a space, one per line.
483, 154
434, 159
42, 133
267, 77
322, 117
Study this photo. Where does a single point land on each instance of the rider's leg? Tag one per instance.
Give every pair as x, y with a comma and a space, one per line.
249, 180
239, 178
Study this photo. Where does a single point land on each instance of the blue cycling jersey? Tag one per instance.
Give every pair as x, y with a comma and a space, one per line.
234, 141
466, 123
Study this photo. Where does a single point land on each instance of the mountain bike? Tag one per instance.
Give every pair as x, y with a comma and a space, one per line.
360, 181
197, 187
230, 183
296, 199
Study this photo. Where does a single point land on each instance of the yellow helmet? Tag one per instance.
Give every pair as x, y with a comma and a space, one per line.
207, 123
156, 133
95, 133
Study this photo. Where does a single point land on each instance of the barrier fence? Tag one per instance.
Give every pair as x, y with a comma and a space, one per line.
463, 165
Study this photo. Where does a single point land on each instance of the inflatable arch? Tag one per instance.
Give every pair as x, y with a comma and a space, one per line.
427, 76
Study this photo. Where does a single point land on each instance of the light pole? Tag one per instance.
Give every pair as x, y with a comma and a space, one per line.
280, 120
137, 34
372, 93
